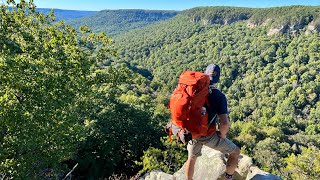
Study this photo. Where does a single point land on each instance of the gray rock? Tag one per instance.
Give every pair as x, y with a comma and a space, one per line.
157, 175
312, 27
257, 174
211, 165
275, 31
204, 168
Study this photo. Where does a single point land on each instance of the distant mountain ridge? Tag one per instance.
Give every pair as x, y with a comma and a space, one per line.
62, 14
114, 22
286, 19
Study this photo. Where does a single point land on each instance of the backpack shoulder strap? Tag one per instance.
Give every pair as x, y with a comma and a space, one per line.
214, 118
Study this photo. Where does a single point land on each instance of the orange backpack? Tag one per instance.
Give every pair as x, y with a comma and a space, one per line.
187, 105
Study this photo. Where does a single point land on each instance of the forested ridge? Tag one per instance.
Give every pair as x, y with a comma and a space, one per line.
62, 14
279, 15
114, 22
73, 97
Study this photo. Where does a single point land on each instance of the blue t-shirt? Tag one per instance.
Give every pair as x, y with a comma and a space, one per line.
217, 104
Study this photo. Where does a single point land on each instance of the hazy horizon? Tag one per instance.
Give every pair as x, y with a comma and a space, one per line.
178, 5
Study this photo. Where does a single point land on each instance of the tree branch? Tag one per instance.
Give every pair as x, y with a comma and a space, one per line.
69, 173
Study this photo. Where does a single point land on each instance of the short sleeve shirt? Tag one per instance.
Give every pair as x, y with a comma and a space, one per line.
217, 103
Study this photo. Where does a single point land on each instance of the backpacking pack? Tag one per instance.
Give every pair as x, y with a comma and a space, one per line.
189, 118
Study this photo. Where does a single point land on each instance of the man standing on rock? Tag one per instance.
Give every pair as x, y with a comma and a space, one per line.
218, 141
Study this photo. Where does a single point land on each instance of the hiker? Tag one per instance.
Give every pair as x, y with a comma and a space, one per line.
218, 141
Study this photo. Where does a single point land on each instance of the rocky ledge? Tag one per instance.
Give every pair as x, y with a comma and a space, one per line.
211, 165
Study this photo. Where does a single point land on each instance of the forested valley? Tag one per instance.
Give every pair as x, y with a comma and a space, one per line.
79, 98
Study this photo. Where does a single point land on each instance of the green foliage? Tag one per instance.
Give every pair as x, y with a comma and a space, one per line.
121, 127
60, 105
169, 158
64, 97
305, 165
45, 72
287, 16
218, 15
290, 18
268, 154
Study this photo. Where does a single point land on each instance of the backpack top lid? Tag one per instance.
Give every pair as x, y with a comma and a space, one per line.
191, 77
213, 71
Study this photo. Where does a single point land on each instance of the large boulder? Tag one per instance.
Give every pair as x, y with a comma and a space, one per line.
211, 165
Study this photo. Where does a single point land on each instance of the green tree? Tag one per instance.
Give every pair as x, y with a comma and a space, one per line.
305, 165
170, 158
268, 154
45, 69
120, 127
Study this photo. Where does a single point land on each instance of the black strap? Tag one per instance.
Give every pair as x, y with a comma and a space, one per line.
228, 176
213, 119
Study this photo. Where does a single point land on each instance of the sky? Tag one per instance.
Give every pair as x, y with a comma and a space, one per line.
96, 5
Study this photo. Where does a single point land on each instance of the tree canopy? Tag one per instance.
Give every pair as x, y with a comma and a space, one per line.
59, 106
70, 96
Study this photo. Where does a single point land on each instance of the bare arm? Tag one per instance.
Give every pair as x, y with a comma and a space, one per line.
224, 125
